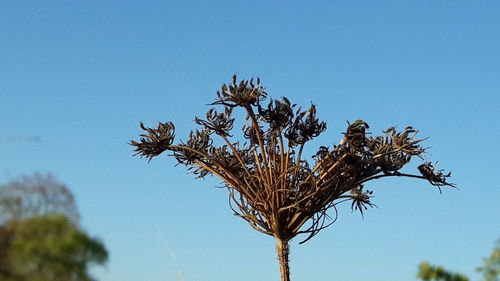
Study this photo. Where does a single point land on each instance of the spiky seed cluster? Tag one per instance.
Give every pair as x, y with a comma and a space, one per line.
155, 140
219, 123
269, 183
199, 141
361, 199
435, 177
244, 94
278, 114
305, 127
355, 137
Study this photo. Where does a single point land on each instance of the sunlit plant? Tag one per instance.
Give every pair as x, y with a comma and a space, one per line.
271, 185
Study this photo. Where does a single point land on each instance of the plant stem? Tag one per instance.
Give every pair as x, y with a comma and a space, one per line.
283, 250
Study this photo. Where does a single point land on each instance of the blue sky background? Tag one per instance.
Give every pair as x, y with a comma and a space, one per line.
82, 74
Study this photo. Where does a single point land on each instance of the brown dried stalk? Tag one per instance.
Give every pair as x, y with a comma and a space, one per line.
269, 183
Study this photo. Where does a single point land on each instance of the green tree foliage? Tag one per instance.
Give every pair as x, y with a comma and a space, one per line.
50, 248
428, 272
40, 239
491, 267
5, 239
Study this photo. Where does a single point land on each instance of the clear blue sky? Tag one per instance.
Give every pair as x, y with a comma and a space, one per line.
82, 74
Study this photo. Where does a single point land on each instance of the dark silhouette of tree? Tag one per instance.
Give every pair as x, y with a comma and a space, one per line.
270, 183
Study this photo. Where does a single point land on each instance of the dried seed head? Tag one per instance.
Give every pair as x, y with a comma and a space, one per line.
435, 177
361, 199
243, 94
305, 127
219, 123
155, 141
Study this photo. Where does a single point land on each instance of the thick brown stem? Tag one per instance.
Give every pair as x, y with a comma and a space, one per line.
283, 250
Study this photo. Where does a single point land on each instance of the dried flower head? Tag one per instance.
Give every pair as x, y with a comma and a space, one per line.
270, 184
155, 141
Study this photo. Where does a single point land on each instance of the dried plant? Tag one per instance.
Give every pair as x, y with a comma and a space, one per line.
270, 184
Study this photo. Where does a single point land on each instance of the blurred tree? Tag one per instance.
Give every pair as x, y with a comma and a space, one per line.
39, 235
5, 239
270, 183
428, 272
491, 267
35, 195
50, 248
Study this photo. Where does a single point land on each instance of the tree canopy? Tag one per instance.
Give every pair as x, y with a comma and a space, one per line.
490, 269
35, 195
40, 239
50, 248
491, 266
428, 272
